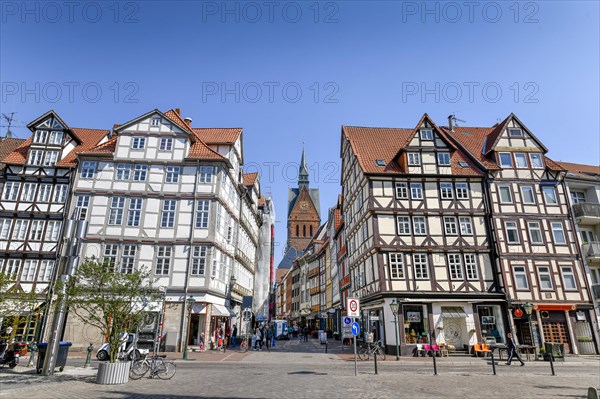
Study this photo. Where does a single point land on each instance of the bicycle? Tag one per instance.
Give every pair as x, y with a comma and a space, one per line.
371, 350
157, 367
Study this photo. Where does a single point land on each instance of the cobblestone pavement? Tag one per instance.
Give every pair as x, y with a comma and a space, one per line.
302, 370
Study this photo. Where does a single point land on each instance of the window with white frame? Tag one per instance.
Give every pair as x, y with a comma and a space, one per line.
471, 267
455, 267
28, 193
167, 218
443, 158
568, 278
37, 230
505, 195
135, 212
51, 158
60, 193
44, 192
140, 172
549, 195
419, 225
578, 197
123, 171
11, 268
520, 275
199, 256
172, 174
403, 223
416, 191
527, 195
11, 191
450, 226
401, 191
558, 233
446, 190
20, 230
46, 269
35, 157
462, 190
55, 137
535, 233
138, 143
536, 161
545, 278
166, 144
520, 160
110, 255
53, 230
202, 212
128, 258
515, 132
505, 159
396, 265
40, 136
414, 158
512, 233
466, 225
426, 134
163, 259
155, 122
88, 169
421, 266
83, 202
29, 269
205, 174
117, 207
5, 228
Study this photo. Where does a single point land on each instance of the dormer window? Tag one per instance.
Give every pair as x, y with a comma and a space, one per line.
521, 160
443, 158
138, 143
51, 158
414, 158
40, 136
55, 138
155, 122
536, 161
426, 134
515, 133
35, 157
506, 160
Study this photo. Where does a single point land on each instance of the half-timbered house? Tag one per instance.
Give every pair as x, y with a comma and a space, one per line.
36, 183
415, 223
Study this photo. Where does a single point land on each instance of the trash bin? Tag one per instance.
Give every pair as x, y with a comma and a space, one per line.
322, 336
61, 358
556, 350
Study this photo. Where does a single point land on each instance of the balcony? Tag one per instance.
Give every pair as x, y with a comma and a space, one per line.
591, 251
587, 213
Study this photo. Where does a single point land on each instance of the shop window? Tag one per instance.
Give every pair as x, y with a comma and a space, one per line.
415, 324
492, 327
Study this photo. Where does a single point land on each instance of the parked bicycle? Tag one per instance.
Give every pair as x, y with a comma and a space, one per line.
155, 365
370, 350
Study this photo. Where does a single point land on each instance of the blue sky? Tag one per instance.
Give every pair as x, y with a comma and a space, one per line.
293, 72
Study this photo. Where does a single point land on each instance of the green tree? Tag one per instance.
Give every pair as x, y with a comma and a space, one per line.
109, 300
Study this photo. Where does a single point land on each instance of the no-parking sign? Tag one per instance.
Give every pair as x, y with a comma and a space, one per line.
353, 307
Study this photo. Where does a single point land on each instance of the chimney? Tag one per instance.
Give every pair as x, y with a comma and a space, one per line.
188, 120
450, 120
177, 111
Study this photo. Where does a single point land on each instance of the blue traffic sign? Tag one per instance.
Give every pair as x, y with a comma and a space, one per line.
347, 320
355, 329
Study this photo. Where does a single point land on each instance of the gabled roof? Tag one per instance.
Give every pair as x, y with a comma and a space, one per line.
8, 145
495, 134
589, 172
107, 147
89, 139
32, 125
218, 135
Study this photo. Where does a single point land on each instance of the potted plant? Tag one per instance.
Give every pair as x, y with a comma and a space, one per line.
114, 302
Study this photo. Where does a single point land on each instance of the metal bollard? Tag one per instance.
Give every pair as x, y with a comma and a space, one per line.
32, 350
375, 356
552, 363
434, 363
325, 346
493, 363
89, 356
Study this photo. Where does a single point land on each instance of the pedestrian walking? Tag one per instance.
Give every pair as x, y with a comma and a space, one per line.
305, 334
234, 337
272, 330
227, 336
253, 340
512, 350
267, 337
258, 342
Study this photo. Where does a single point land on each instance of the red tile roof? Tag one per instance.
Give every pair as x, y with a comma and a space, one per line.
280, 274
584, 171
8, 145
174, 117
261, 200
107, 147
18, 155
249, 178
218, 135
200, 150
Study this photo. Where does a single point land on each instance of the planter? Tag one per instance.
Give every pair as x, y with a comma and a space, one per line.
113, 373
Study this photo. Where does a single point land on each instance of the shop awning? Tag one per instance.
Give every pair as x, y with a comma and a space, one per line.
221, 311
453, 312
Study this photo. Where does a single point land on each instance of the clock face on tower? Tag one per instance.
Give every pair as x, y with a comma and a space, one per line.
304, 205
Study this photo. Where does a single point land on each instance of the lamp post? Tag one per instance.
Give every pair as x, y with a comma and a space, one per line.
190, 304
395, 306
528, 308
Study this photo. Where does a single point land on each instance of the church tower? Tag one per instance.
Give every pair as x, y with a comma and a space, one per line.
304, 215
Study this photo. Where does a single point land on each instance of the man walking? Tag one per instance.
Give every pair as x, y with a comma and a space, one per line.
234, 336
512, 350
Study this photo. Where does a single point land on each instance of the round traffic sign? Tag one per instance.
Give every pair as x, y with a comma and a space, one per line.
347, 320
355, 329
353, 305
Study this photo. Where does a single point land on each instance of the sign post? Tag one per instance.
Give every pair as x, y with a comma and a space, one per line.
355, 332
353, 307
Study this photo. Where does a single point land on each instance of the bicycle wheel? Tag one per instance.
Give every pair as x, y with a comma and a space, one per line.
166, 371
138, 369
381, 353
364, 353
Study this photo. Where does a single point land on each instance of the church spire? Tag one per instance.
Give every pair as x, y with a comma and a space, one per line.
303, 172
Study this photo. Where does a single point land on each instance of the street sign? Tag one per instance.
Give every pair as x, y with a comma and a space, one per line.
355, 329
353, 307
347, 320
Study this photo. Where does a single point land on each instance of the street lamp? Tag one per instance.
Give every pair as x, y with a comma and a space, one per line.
395, 306
528, 308
190, 301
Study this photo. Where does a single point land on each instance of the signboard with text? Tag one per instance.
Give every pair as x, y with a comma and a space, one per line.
353, 307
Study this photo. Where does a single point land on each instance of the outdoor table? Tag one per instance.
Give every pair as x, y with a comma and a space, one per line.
500, 347
528, 350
